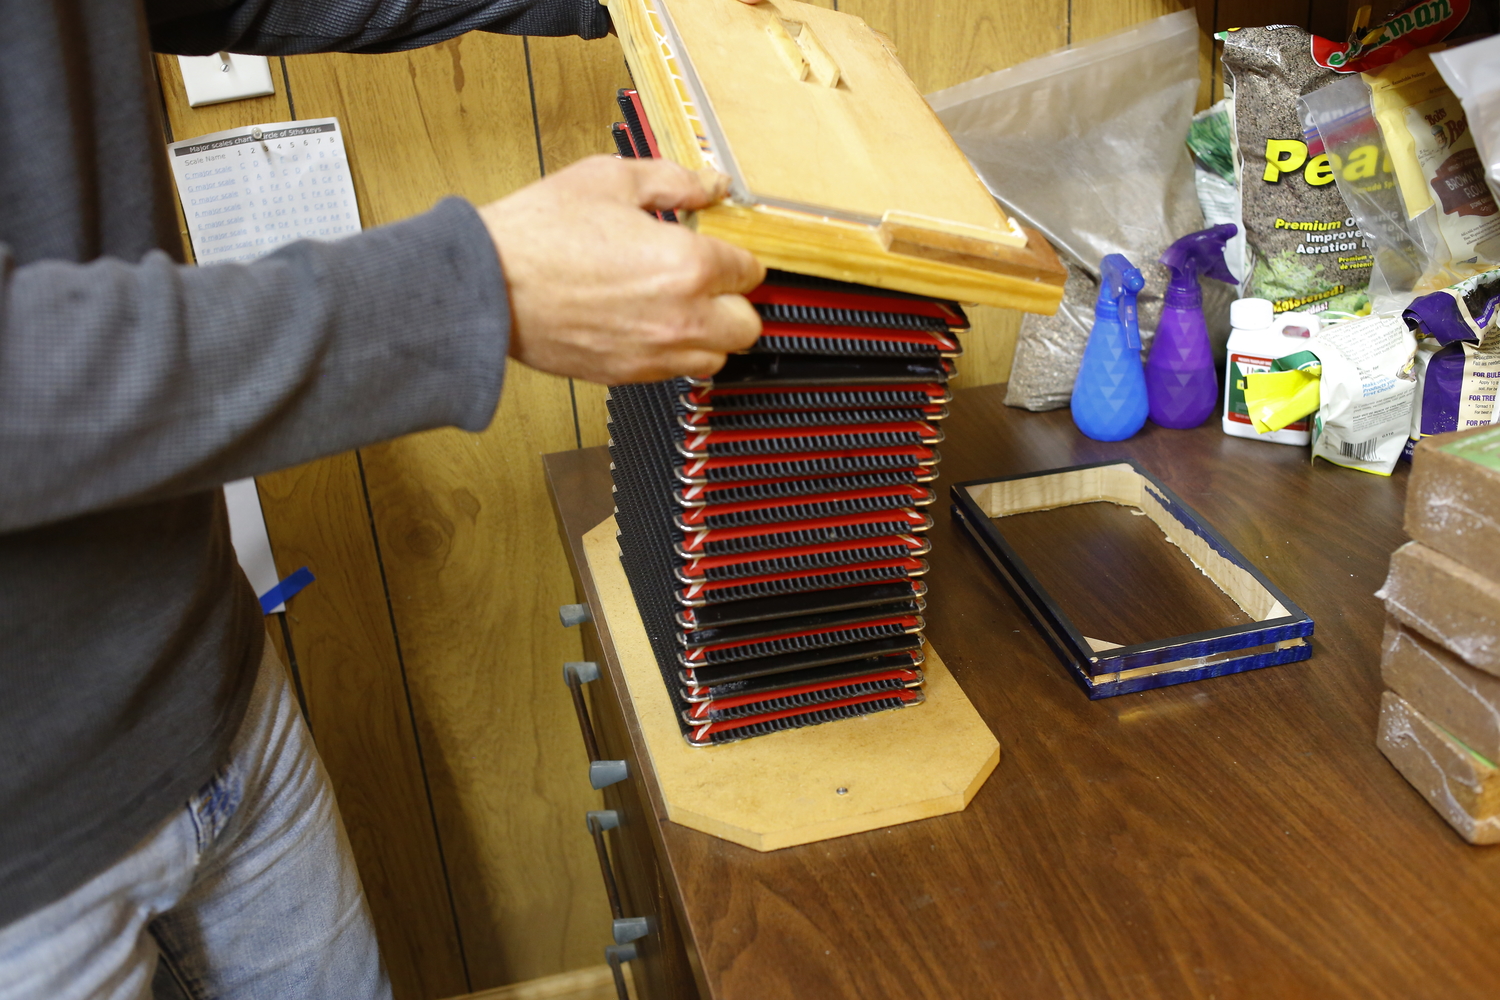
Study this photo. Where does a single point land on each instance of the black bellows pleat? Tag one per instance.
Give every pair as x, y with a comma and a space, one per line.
776, 568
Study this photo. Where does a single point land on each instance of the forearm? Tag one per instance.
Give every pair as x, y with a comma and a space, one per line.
287, 27
121, 383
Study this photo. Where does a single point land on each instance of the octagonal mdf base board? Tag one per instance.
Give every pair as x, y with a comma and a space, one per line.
780, 790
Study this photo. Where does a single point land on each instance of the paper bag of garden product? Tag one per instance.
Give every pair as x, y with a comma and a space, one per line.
1367, 392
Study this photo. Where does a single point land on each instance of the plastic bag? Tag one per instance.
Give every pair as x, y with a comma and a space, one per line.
1473, 73
1436, 164
1086, 145
1306, 249
1211, 140
1404, 253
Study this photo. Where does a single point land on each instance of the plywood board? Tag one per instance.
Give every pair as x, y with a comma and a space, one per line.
850, 251
594, 983
851, 178
803, 785
863, 147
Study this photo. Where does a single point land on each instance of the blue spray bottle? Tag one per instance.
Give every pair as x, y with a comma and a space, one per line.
1109, 398
1180, 374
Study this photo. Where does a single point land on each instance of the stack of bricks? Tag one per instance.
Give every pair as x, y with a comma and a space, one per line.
1440, 720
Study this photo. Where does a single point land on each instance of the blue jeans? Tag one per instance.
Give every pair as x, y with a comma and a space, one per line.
249, 893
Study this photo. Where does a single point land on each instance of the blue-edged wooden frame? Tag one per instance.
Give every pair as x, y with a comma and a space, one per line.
1279, 635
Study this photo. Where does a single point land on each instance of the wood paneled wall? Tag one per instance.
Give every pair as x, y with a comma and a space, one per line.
429, 648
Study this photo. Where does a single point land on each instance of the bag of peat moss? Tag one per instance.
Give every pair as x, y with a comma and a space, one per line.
1306, 249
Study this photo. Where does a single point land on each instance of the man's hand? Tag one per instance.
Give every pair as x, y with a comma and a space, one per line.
600, 290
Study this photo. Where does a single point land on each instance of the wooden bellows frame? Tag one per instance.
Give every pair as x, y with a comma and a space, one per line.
837, 166
1279, 630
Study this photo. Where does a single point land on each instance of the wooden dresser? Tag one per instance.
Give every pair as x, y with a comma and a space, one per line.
1237, 837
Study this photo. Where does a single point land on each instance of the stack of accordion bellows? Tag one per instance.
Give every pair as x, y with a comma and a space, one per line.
771, 518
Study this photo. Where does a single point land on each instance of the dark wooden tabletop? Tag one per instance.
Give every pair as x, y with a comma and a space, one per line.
1237, 837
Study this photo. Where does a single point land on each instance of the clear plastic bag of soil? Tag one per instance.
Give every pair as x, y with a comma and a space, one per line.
1087, 145
1410, 253
1402, 250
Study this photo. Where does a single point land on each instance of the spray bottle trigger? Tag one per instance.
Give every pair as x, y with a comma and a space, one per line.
1129, 322
1120, 283
1200, 253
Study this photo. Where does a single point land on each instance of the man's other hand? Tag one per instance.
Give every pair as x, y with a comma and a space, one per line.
600, 290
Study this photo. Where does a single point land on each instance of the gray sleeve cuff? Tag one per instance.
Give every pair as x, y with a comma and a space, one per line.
426, 320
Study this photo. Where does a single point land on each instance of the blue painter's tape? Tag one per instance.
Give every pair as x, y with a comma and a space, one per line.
286, 589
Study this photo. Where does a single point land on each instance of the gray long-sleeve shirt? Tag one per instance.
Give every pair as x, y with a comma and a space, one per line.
131, 386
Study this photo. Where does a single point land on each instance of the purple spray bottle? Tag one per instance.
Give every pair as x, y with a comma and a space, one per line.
1181, 381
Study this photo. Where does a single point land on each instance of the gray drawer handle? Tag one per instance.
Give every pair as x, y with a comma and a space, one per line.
598, 821
603, 773
628, 929
577, 673
624, 929
615, 955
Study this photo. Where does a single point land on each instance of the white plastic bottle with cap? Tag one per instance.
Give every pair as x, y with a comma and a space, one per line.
1258, 338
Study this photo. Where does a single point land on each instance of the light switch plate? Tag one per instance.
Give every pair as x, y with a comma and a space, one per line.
224, 77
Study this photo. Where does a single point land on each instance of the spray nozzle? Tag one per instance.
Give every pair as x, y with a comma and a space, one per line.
1119, 283
1198, 253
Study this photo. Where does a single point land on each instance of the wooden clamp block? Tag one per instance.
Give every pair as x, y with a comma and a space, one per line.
1461, 785
1453, 500
1447, 602
837, 165
802, 785
1455, 696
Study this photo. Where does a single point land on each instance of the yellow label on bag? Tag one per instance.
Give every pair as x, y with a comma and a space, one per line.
1408, 81
1275, 399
